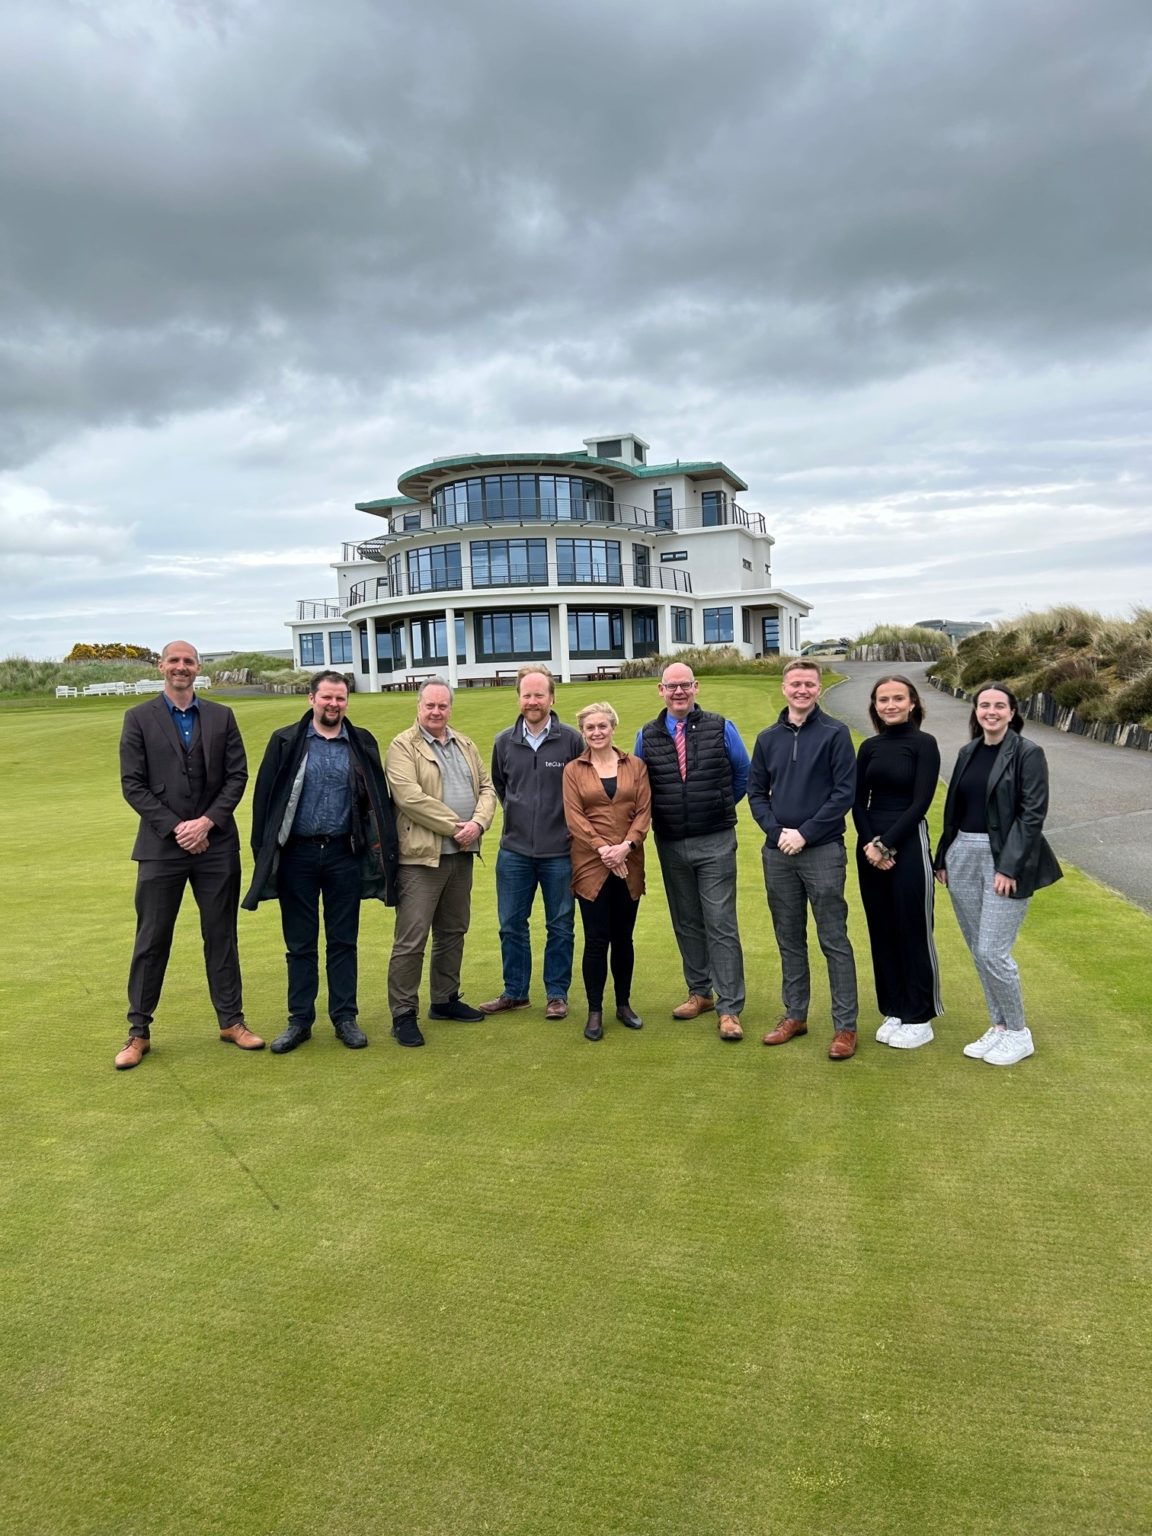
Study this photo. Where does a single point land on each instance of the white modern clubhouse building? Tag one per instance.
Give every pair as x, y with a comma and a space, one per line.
581, 560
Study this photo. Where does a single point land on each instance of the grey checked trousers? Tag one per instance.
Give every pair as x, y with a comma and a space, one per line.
793, 882
989, 924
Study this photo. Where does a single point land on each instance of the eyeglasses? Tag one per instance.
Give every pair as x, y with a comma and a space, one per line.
678, 687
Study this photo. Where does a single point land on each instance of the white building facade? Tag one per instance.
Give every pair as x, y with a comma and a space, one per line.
578, 560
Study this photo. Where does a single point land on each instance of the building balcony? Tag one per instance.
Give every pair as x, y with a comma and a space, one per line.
384, 588
532, 511
310, 608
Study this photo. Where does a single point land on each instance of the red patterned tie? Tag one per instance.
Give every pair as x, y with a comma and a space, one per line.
681, 749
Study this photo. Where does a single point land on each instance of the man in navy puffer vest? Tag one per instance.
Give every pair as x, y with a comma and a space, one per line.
698, 770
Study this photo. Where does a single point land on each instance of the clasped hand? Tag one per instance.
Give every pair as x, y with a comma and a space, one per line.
614, 856
192, 836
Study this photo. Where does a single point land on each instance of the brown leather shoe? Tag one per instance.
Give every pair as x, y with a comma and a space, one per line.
698, 1003
786, 1030
239, 1034
503, 1004
729, 1026
556, 1008
843, 1045
136, 1047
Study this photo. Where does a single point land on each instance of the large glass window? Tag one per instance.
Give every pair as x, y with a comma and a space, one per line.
662, 502
340, 645
770, 636
389, 646
595, 632
589, 560
714, 508
435, 568
641, 565
746, 626
717, 626
520, 498
519, 635
312, 649
644, 632
510, 563
430, 641
682, 626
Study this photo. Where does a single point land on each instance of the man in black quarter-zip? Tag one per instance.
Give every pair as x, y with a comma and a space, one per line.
800, 790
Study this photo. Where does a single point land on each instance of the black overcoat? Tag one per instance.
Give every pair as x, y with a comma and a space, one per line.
374, 823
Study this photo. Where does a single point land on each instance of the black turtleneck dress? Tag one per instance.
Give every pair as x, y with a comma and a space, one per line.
897, 774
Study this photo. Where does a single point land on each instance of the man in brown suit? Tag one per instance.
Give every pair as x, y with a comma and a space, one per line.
183, 771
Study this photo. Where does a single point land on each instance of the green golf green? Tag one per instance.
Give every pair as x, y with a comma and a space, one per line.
514, 1283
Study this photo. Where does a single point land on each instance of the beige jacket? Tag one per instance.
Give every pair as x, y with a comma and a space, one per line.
422, 818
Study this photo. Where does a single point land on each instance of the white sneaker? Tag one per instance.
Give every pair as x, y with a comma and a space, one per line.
1012, 1046
887, 1029
908, 1036
980, 1048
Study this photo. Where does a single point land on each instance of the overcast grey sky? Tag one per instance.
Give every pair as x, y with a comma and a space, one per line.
890, 262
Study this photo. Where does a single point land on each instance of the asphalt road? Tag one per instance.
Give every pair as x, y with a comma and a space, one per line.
1100, 812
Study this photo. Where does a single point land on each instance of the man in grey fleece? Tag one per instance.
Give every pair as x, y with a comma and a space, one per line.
528, 761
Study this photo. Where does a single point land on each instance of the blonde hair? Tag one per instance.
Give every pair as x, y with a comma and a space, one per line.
597, 709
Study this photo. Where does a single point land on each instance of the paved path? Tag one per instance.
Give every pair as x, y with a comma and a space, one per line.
1100, 815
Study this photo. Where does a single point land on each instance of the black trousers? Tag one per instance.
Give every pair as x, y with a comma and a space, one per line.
898, 904
609, 921
307, 872
215, 880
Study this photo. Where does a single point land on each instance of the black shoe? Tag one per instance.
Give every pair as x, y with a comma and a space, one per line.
594, 1029
405, 1030
629, 1019
456, 1008
294, 1035
349, 1033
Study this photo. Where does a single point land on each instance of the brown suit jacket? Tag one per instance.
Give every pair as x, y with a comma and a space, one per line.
157, 785
593, 820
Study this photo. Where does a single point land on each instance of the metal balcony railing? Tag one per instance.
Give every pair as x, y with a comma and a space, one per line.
377, 589
319, 608
526, 510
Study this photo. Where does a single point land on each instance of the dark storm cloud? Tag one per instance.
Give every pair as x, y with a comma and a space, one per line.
198, 199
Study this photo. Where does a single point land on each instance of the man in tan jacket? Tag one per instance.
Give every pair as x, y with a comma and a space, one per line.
444, 801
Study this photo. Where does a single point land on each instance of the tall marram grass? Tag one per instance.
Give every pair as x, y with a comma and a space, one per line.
902, 642
1101, 667
705, 661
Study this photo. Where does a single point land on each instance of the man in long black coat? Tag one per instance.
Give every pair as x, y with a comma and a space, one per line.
322, 826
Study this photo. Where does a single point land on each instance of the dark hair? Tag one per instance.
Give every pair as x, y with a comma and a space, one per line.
1015, 724
917, 715
326, 677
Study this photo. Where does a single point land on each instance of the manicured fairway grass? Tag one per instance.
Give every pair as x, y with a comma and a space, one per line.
516, 1283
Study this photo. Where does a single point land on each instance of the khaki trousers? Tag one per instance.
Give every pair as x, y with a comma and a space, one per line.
436, 901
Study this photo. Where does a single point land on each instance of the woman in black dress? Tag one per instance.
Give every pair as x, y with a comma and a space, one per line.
897, 772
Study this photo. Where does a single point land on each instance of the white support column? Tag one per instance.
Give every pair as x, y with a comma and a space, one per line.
628, 634
373, 658
664, 628
562, 642
450, 629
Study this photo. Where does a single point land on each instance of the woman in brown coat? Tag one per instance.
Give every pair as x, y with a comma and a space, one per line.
608, 807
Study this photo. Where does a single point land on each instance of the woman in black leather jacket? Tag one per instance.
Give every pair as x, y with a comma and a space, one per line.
992, 856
